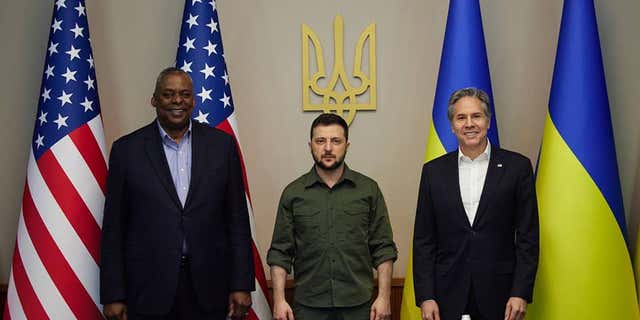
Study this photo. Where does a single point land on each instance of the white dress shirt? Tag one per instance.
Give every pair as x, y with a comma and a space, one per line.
472, 174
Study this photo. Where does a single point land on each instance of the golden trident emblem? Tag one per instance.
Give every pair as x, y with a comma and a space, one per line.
332, 99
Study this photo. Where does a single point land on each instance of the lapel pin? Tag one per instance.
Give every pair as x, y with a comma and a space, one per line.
499, 165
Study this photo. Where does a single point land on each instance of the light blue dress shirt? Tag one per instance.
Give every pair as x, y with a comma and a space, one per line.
179, 160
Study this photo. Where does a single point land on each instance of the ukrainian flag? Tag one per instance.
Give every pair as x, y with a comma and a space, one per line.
637, 263
585, 268
463, 64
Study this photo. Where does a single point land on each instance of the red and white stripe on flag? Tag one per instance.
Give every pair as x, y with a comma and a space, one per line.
55, 270
260, 308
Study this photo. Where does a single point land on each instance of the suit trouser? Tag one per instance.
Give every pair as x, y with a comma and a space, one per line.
360, 312
472, 307
185, 305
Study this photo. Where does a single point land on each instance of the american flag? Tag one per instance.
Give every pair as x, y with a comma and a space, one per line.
200, 53
55, 267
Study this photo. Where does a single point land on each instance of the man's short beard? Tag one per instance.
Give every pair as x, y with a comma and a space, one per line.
332, 167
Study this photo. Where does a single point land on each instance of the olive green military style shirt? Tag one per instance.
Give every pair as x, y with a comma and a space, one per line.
332, 237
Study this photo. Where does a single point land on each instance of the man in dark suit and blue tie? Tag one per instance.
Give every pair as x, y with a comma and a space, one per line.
176, 240
475, 246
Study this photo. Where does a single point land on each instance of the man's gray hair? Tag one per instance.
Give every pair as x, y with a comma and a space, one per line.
166, 72
469, 92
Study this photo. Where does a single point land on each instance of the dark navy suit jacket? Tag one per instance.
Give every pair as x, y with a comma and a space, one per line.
142, 232
497, 256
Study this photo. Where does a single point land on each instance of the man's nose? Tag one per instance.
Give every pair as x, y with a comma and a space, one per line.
468, 122
328, 146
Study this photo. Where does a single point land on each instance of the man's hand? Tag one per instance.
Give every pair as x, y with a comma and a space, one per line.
239, 303
380, 309
430, 310
282, 310
516, 309
115, 311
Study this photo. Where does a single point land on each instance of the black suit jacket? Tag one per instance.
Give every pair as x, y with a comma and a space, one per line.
143, 222
497, 256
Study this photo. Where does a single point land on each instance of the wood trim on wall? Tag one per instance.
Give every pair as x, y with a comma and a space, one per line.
3, 298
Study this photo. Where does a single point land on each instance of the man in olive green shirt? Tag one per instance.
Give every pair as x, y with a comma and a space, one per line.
332, 229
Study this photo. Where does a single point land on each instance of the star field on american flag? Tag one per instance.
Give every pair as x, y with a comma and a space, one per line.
200, 53
69, 94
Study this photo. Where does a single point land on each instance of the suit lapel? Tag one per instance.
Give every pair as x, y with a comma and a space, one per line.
453, 185
158, 160
198, 153
494, 174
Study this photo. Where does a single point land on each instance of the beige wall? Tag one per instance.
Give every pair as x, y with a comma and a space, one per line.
133, 40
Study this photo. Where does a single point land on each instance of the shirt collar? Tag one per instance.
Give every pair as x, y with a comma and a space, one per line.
483, 156
313, 177
164, 135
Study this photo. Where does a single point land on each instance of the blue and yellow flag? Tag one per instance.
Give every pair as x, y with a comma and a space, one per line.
585, 268
463, 64
636, 263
